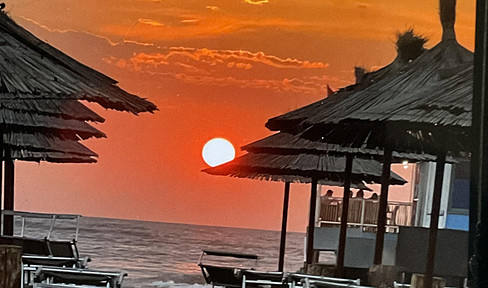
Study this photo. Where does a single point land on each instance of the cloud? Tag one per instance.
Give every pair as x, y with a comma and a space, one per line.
190, 21
150, 22
257, 2
213, 8
227, 58
235, 69
226, 68
67, 31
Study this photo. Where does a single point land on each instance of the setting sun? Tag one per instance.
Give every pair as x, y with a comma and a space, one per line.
218, 151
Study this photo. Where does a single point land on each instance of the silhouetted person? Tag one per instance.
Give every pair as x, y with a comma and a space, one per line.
329, 193
374, 196
360, 194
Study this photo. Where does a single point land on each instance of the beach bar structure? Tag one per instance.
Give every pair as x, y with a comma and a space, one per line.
41, 116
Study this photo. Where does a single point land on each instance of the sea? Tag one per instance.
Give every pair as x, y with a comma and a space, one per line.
165, 255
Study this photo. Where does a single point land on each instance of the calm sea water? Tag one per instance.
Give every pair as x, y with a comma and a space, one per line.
165, 254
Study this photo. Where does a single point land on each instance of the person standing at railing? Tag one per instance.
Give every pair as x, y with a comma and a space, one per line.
360, 193
355, 208
371, 209
329, 207
329, 193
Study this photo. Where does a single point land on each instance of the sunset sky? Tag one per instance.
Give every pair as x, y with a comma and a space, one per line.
215, 68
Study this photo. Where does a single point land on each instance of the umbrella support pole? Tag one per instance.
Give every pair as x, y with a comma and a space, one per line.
8, 225
434, 218
478, 207
311, 223
385, 182
2, 222
284, 222
345, 209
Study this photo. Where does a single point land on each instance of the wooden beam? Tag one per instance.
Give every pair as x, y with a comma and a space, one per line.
284, 221
345, 210
8, 226
311, 222
478, 210
382, 210
434, 218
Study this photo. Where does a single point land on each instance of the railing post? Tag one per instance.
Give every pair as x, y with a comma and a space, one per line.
363, 208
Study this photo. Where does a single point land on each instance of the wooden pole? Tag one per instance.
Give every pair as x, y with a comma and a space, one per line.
8, 226
434, 218
382, 210
478, 210
345, 209
284, 221
311, 222
1, 182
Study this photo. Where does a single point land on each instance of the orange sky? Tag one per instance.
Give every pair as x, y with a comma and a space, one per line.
215, 68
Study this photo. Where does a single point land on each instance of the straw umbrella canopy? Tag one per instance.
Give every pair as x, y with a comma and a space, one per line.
429, 93
301, 168
41, 118
33, 67
287, 143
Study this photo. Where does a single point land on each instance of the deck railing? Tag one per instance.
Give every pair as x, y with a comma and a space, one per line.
364, 213
34, 215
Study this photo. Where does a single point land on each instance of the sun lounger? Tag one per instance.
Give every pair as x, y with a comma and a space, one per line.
67, 249
326, 284
30, 246
307, 281
219, 275
51, 285
48, 252
34, 260
253, 278
401, 285
57, 275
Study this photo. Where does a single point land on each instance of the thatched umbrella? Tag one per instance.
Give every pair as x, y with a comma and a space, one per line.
286, 143
295, 165
41, 118
331, 119
374, 111
409, 47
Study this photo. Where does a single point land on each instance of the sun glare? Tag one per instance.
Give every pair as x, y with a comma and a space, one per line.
218, 151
